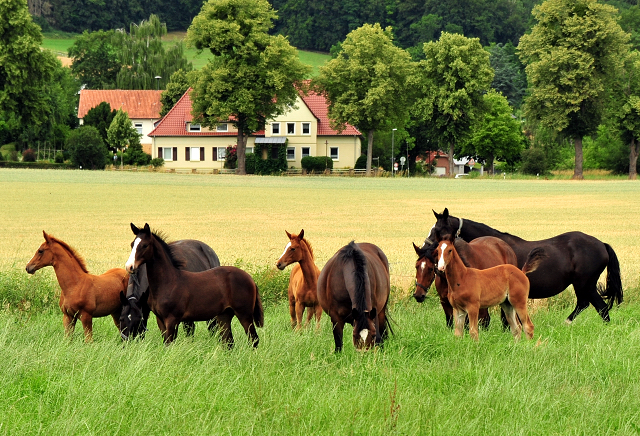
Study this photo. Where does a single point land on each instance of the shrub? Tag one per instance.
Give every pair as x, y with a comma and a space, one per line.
361, 163
157, 162
134, 155
250, 163
28, 155
87, 148
59, 158
231, 158
534, 161
316, 164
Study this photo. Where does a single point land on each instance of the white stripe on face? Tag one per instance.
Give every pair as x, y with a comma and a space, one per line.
132, 257
285, 249
363, 334
423, 265
441, 263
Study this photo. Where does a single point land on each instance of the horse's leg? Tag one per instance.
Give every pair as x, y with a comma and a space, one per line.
161, 326
590, 288
510, 313
250, 329
310, 312
338, 328
581, 304
318, 310
212, 325
189, 328
527, 325
171, 331
459, 316
69, 323
87, 325
292, 311
299, 313
485, 319
448, 312
472, 312
224, 322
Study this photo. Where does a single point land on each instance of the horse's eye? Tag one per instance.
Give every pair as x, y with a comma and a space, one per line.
40, 251
292, 249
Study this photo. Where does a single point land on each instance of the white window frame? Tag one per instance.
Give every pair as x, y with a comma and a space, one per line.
275, 126
194, 127
248, 150
222, 154
308, 153
308, 125
138, 127
194, 153
222, 127
294, 128
337, 153
164, 153
294, 153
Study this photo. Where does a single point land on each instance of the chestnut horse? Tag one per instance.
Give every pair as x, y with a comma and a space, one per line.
471, 289
197, 256
176, 295
303, 282
84, 296
573, 258
481, 253
354, 287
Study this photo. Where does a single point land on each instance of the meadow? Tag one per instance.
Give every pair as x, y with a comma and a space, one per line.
578, 379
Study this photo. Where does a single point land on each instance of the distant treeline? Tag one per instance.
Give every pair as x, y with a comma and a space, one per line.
321, 24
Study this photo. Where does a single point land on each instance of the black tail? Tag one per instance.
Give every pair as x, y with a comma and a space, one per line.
258, 312
534, 258
352, 253
613, 291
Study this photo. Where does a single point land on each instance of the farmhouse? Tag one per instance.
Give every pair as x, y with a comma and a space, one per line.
142, 107
304, 130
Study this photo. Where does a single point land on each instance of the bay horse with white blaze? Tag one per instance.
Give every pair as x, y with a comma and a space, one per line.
471, 289
354, 288
573, 258
83, 296
481, 253
197, 256
303, 281
176, 295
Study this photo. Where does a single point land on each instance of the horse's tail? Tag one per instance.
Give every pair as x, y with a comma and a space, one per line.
534, 258
258, 312
613, 291
352, 253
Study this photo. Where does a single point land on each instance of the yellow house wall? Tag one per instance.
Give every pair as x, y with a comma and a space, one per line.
208, 142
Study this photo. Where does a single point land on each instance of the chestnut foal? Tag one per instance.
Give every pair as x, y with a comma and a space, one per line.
471, 289
303, 282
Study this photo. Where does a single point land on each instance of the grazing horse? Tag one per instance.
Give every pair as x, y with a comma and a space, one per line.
481, 253
84, 296
197, 256
471, 289
573, 258
176, 295
303, 282
354, 287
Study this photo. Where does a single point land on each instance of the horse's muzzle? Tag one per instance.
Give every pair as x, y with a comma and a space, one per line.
280, 266
420, 298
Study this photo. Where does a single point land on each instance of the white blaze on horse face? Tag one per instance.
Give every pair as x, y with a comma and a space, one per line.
286, 247
441, 263
423, 265
132, 257
363, 334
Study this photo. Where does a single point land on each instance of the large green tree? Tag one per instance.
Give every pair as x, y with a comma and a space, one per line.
100, 117
368, 85
121, 132
629, 112
253, 77
86, 148
25, 69
95, 59
452, 79
575, 49
178, 84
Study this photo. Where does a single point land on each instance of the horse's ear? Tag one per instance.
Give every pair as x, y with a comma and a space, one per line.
147, 229
435, 214
123, 298
288, 234
301, 235
372, 314
134, 229
445, 214
415, 247
46, 237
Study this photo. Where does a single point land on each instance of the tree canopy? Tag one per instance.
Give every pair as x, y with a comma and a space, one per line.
95, 59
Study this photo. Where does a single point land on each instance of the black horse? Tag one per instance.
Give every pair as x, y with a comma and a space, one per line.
197, 256
574, 258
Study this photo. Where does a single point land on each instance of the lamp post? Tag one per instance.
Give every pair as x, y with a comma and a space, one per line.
393, 131
158, 82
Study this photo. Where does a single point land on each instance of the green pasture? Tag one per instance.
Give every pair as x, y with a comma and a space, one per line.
578, 379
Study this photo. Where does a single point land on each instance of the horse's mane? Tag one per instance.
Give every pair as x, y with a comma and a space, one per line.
427, 251
309, 247
175, 260
353, 253
487, 229
72, 252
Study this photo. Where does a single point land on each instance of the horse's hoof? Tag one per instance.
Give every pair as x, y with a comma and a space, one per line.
568, 321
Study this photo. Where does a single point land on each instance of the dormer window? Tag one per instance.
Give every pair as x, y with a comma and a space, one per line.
222, 128
194, 127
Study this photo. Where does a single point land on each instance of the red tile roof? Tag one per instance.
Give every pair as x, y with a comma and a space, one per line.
137, 103
174, 123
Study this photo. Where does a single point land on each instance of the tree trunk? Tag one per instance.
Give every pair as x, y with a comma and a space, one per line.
490, 165
633, 158
369, 151
450, 154
240, 150
577, 172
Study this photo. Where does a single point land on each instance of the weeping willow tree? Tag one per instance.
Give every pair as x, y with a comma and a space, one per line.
143, 57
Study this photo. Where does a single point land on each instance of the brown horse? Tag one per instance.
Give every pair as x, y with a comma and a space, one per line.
84, 296
177, 295
471, 289
303, 282
481, 253
354, 287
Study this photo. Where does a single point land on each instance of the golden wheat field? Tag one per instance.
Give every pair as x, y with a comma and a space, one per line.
244, 218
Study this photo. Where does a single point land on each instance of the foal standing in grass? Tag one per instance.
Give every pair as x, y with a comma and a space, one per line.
471, 289
303, 282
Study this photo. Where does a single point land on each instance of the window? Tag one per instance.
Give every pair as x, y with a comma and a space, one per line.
194, 154
222, 153
138, 127
334, 152
222, 128
306, 128
194, 127
291, 153
275, 128
248, 150
306, 152
167, 153
291, 128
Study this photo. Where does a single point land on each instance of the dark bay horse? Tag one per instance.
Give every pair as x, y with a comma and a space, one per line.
176, 295
83, 296
471, 289
303, 282
573, 258
354, 288
197, 256
481, 253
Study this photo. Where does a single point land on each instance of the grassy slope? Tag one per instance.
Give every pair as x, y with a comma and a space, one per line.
570, 380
